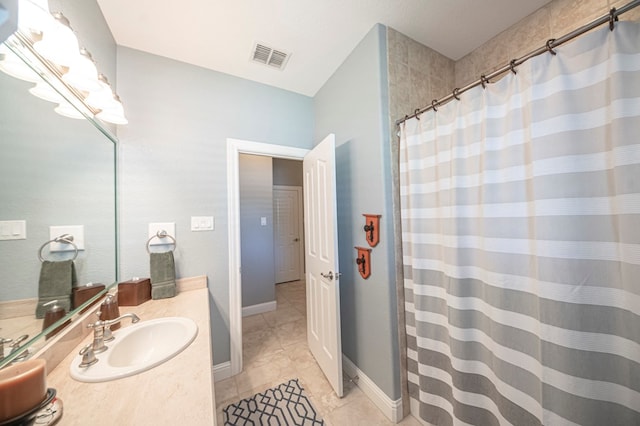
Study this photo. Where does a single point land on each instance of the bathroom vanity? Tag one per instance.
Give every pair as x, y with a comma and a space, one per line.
179, 391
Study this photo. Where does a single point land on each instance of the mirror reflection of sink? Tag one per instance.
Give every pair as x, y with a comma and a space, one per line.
138, 348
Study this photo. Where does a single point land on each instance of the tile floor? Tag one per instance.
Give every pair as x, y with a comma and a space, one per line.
275, 350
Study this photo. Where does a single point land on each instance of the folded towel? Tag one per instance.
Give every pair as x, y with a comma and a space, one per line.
57, 280
163, 275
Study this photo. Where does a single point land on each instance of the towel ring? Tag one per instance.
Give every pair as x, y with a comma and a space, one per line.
162, 234
64, 239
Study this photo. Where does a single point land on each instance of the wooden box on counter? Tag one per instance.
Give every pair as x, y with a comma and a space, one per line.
134, 292
84, 293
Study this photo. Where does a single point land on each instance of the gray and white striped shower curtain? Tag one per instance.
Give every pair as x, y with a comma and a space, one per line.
520, 209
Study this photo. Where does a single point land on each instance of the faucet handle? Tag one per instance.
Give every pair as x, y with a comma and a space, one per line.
98, 345
88, 356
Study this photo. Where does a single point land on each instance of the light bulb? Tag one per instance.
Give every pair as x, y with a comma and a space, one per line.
59, 44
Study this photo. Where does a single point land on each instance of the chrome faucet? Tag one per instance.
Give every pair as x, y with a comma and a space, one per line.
99, 328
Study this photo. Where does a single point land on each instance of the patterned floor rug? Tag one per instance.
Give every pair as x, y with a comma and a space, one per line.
286, 404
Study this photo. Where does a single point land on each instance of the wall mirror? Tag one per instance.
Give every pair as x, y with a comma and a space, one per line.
55, 171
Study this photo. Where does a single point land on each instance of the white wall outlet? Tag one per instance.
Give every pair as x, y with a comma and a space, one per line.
77, 231
13, 230
168, 227
263, 221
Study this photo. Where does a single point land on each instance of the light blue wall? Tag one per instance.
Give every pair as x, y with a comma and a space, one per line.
353, 104
256, 202
173, 161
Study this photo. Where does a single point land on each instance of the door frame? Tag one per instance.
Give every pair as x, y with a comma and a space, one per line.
235, 147
298, 189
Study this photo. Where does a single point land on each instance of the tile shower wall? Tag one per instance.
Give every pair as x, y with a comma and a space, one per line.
557, 18
417, 74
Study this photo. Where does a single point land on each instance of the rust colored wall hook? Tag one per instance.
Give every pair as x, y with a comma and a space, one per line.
364, 261
372, 228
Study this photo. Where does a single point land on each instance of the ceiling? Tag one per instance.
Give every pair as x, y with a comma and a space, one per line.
319, 34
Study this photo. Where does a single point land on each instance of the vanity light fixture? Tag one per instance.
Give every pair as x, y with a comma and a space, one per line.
83, 74
49, 46
59, 44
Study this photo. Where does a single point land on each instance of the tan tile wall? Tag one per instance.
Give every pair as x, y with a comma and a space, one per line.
556, 19
417, 74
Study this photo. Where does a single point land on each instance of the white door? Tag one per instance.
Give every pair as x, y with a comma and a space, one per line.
287, 223
321, 258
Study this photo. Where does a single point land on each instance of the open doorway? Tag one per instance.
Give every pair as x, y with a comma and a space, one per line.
234, 149
271, 229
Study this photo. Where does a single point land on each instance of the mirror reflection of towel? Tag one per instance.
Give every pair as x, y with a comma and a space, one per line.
57, 279
163, 275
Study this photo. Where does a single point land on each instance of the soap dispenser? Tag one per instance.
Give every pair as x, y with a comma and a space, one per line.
53, 313
109, 310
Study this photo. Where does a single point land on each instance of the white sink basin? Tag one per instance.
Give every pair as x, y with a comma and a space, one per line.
138, 348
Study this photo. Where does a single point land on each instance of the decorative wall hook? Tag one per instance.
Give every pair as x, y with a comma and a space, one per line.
372, 228
364, 261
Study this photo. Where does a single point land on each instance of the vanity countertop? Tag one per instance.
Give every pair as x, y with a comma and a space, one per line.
179, 391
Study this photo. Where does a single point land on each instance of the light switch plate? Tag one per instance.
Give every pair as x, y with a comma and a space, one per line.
202, 223
168, 227
13, 230
78, 237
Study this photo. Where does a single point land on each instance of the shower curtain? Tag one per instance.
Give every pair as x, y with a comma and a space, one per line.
520, 211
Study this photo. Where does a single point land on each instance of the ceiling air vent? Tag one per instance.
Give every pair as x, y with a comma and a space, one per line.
266, 55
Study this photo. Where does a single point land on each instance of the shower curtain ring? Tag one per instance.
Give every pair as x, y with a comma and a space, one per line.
455, 93
434, 104
550, 47
512, 65
416, 113
484, 81
612, 18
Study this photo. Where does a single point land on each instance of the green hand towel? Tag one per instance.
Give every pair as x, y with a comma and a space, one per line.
163, 275
57, 279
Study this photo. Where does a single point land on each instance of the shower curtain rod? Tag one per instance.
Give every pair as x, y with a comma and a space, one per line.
610, 18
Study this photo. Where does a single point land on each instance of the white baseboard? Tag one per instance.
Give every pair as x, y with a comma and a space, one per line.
259, 308
221, 371
392, 409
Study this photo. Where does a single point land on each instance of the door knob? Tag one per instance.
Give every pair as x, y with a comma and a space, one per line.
328, 276
296, 239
